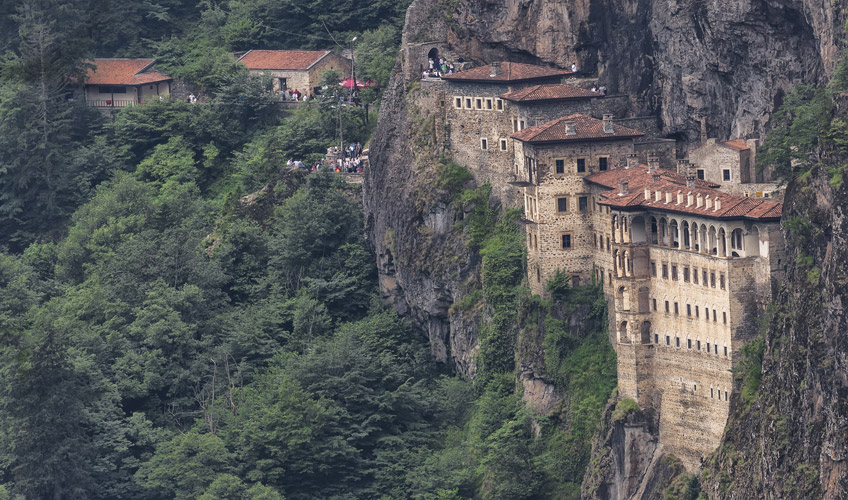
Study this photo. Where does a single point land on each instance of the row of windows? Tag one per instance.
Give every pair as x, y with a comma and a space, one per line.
708, 277
690, 309
713, 392
484, 144
478, 103
562, 204
580, 165
711, 348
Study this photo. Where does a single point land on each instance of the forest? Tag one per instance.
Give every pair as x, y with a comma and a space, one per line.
183, 317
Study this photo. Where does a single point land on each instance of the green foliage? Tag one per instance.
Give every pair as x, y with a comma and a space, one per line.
376, 54
480, 220
558, 285
751, 368
683, 487
452, 177
623, 408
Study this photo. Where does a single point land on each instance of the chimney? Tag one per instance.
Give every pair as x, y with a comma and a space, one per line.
717, 205
608, 124
667, 197
690, 178
655, 177
657, 195
569, 128
682, 166
699, 201
622, 187
708, 202
632, 160
679, 197
496, 69
689, 199
653, 162
647, 194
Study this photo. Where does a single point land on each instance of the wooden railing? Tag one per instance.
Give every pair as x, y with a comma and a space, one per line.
117, 103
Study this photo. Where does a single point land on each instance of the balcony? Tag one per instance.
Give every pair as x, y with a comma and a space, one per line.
108, 103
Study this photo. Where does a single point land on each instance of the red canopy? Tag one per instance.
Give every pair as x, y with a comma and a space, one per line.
360, 84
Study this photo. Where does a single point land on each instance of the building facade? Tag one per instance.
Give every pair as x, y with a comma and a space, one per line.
295, 69
733, 165
119, 83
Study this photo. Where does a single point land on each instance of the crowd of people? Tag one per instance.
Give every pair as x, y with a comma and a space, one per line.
294, 95
438, 66
349, 160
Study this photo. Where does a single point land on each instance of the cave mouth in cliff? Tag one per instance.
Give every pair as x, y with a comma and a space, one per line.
433, 54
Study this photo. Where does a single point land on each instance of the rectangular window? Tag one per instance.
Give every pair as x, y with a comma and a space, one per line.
467, 103
716, 348
457, 103
677, 341
603, 163
688, 309
583, 203
712, 279
489, 105
653, 269
688, 343
559, 166
521, 125
562, 204
698, 344
724, 316
674, 272
700, 173
714, 315
721, 280
655, 304
478, 103
706, 278
697, 314
706, 313
708, 347
667, 307
500, 105
725, 350
484, 144
711, 392
685, 274
581, 165
725, 395
514, 125
676, 309
667, 340
656, 338
665, 271
503, 144
566, 241
725, 174
695, 275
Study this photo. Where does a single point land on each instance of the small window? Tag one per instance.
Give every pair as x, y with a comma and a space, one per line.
707, 316
562, 204
514, 125
700, 173
653, 269
560, 166
688, 309
706, 278
725, 174
697, 313
566, 241
716, 348
725, 395
708, 347
478, 103
712, 279
712, 394
667, 307
521, 125
724, 316
665, 271
500, 104
721, 280
688, 343
656, 338
674, 272
676, 309
581, 165
503, 144
457, 103
603, 163
583, 203
484, 144
685, 274
667, 340
698, 344
714, 318
676, 341
467, 103
489, 105
695, 275
725, 351
655, 304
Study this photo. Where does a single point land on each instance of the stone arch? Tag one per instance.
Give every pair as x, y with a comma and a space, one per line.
637, 230
645, 332
622, 333
721, 243
736, 243
433, 53
753, 243
628, 264
621, 299
712, 241
674, 233
663, 232
687, 240
654, 231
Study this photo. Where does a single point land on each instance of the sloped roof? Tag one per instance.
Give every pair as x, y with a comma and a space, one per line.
639, 178
586, 128
282, 59
509, 72
123, 72
554, 92
737, 144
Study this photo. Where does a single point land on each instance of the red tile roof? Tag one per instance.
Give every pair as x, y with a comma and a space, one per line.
586, 129
282, 59
555, 92
737, 144
509, 72
639, 178
123, 72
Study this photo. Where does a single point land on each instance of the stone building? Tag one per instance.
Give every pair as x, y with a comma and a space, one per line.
691, 270
295, 69
732, 164
119, 83
551, 162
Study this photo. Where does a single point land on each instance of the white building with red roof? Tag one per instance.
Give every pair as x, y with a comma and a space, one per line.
118, 83
295, 69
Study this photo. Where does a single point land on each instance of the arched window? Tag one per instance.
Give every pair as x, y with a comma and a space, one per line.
645, 332
622, 333
663, 232
685, 229
654, 237
637, 230
675, 234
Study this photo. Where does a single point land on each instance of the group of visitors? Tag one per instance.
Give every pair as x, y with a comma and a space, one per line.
294, 95
438, 66
600, 90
